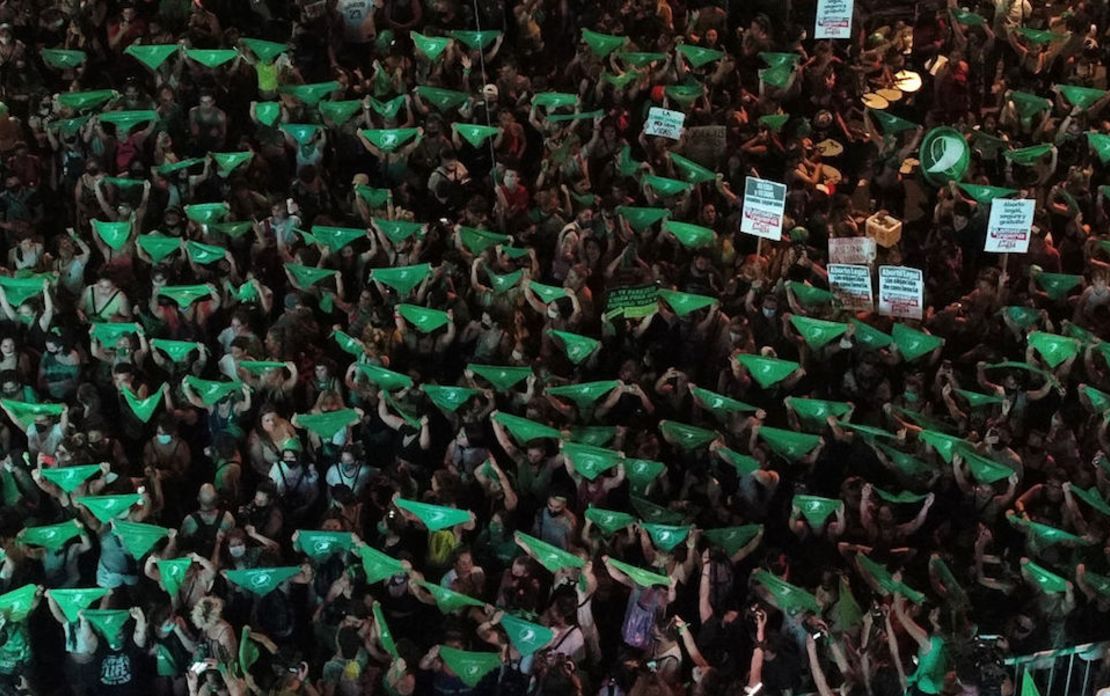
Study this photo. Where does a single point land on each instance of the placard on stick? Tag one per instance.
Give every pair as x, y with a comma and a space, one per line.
901, 292
1009, 226
764, 204
834, 19
851, 285
664, 123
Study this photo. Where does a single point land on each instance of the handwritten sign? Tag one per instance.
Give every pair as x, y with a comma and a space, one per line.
901, 292
1009, 226
764, 203
664, 123
851, 285
854, 250
834, 19
705, 144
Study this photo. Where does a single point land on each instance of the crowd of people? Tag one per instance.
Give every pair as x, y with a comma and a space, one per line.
400, 347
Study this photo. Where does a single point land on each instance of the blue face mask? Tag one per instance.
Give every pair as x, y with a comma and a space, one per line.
164, 439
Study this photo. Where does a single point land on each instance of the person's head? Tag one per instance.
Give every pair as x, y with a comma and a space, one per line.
536, 453
511, 179
264, 495
127, 13
207, 497
464, 562
556, 505
770, 306
6, 36
123, 375
207, 100
7, 346
166, 430
236, 543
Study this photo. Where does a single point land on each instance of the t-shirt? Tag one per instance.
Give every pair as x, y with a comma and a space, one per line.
117, 670
354, 14
346, 675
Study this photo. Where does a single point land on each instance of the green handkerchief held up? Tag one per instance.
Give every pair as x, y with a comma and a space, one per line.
138, 538
227, 162
384, 634
207, 213
666, 537
719, 403
114, 234
469, 667
62, 59
70, 478
475, 134
501, 377
1046, 580
261, 581
589, 461
690, 236
144, 408
389, 139
108, 507
185, 295
448, 600
913, 344
431, 47
265, 51
891, 124
442, 99
602, 44
684, 303
158, 246
1053, 349
666, 187
125, 121
339, 112
1027, 156
767, 371
524, 430
698, 55
608, 521
1100, 143
301, 133
691, 171
475, 40
211, 392
71, 602
434, 517
18, 603
583, 393
809, 295
446, 397
985, 194
815, 509
204, 254
212, 58
51, 537
425, 320
576, 347
732, 539
307, 276
789, 598
378, 566
817, 332
173, 572
643, 578
177, 351
385, 379
109, 624
1083, 97
551, 557
1057, 285
388, 109
312, 94
525, 636
151, 56
641, 218
319, 545
686, 437
329, 423
86, 101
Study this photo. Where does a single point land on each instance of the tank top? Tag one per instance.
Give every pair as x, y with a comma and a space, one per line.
267, 74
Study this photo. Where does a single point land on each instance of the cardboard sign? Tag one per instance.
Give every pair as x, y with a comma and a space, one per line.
851, 285
705, 144
1009, 226
853, 250
764, 203
901, 292
834, 19
664, 123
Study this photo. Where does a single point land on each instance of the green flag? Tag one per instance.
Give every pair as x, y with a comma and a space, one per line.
719, 403
984, 469
547, 293
389, 139
22, 288
71, 602
379, 566
227, 162
976, 400
584, 393
70, 478
108, 507
554, 100
589, 461
261, 581
1057, 285
312, 94
603, 44
525, 636
384, 378
664, 186
204, 254
789, 598
551, 557
434, 517
913, 344
327, 424
945, 445
732, 539
442, 99
388, 109
138, 538
985, 194
158, 246
1027, 156
403, 279
212, 58
665, 536
608, 521
885, 580
817, 332
470, 667
151, 56
144, 408
431, 47
525, 431
52, 536
641, 218
319, 545
505, 282
374, 197
1048, 581
891, 124
869, 337
816, 509
62, 59
475, 40
384, 634
114, 234
503, 378
424, 319
816, 410
475, 134
307, 276
125, 121
767, 371
86, 101
172, 571
690, 170
177, 351
686, 437
109, 623
265, 51
778, 76
576, 347
448, 600
1052, 348
643, 578
690, 236
211, 391
207, 213
742, 463
446, 397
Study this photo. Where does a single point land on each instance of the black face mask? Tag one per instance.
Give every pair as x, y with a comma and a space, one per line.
42, 428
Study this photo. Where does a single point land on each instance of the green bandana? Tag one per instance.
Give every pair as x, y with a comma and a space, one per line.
505, 282
665, 537
620, 81
424, 319
945, 445
70, 478
52, 536
434, 517
477, 241
641, 472
868, 432
1027, 156
869, 337
902, 497
625, 164
641, 59
71, 602
651, 512
469, 667
742, 463
431, 47
173, 572
339, 112
1092, 497
379, 566
1100, 143
24, 413
1057, 285
442, 99
983, 469
448, 600
86, 101
885, 580
547, 293
683, 303
320, 545
815, 509
691, 171
891, 124
21, 289
144, 408
448, 398
524, 430
985, 194
388, 109
503, 378
349, 344
608, 521
265, 51
1083, 97
685, 95
109, 623
816, 332
976, 400
603, 44
212, 58
307, 276
913, 344
384, 634
210, 392
302, 133
1046, 535
374, 197
767, 371
968, 18
1029, 105
326, 425
551, 557
732, 539
1053, 349
719, 403
589, 461
390, 139
554, 100
151, 56
61, 59
666, 187
125, 121
1100, 401
585, 393
475, 40
108, 507
1025, 317
227, 162
386, 379
204, 254
774, 122
248, 651
177, 351
207, 213
778, 76
474, 133
158, 246
686, 437
789, 598
643, 578
114, 234
576, 347
335, 238
525, 636
641, 218
312, 94
809, 295
137, 538
690, 236
258, 367
1048, 581
816, 411
261, 581
124, 183
1040, 36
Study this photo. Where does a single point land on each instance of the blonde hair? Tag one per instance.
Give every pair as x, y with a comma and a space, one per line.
207, 612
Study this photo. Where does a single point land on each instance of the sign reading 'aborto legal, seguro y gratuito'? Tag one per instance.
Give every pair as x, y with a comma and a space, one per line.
764, 204
1009, 225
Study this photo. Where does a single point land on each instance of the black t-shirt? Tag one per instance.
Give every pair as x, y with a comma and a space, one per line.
118, 671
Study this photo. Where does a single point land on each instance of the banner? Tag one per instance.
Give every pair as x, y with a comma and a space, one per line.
834, 19
664, 123
851, 285
764, 202
632, 302
852, 250
705, 144
901, 292
1009, 226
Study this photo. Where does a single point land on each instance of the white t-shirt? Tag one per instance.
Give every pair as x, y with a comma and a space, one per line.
356, 481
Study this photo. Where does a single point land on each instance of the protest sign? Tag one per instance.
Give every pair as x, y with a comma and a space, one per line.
834, 19
664, 123
631, 302
705, 144
901, 292
851, 285
852, 250
1009, 226
764, 203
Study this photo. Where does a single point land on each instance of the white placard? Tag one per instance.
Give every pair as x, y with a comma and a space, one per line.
764, 203
855, 250
851, 285
834, 19
1009, 226
901, 292
664, 123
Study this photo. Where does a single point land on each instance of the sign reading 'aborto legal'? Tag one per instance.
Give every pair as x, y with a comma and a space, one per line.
1009, 226
764, 204
834, 19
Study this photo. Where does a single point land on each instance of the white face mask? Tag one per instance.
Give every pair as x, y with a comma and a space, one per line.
769, 312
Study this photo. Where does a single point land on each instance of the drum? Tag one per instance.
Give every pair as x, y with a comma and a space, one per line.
907, 81
891, 95
831, 174
829, 148
873, 101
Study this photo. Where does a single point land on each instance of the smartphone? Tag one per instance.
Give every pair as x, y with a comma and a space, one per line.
199, 667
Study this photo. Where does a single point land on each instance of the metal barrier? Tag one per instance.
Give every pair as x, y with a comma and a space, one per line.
1064, 672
